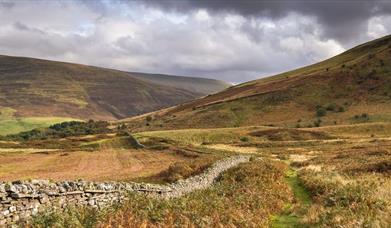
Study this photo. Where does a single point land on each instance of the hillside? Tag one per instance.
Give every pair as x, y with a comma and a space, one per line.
199, 85
45, 89
352, 87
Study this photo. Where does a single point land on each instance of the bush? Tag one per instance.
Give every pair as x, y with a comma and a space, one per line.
331, 107
362, 117
341, 109
148, 118
244, 139
317, 122
320, 111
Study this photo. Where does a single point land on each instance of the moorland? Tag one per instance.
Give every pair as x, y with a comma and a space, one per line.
319, 137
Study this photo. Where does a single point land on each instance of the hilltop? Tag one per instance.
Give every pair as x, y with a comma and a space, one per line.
352, 87
40, 90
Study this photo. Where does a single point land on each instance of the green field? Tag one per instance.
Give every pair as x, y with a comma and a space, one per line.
9, 124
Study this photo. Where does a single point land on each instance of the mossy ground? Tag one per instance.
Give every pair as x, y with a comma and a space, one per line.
292, 214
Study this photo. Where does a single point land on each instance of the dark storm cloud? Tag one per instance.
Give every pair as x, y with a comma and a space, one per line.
340, 20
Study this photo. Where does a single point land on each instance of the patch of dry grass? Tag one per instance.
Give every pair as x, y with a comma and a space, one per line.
100, 165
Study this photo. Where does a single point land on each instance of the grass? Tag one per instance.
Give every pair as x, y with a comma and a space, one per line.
292, 213
247, 195
10, 124
198, 137
16, 125
103, 165
346, 85
339, 176
70, 87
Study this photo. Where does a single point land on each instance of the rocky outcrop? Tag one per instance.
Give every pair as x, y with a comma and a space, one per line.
21, 199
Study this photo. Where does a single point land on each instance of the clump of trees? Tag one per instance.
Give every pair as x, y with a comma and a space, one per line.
65, 129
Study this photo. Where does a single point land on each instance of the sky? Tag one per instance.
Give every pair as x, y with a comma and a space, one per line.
230, 40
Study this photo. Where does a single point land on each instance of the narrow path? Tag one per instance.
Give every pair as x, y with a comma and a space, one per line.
290, 217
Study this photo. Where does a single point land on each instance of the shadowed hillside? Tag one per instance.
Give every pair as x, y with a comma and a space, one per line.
34, 87
352, 87
198, 85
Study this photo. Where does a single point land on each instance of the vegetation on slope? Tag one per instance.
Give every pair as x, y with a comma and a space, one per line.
41, 88
353, 87
199, 85
340, 174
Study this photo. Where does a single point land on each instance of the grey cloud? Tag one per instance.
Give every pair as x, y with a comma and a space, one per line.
6, 4
233, 42
340, 20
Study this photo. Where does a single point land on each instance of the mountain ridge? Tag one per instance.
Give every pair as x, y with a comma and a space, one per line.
38, 87
353, 83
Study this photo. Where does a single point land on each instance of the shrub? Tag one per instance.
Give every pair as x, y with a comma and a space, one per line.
320, 111
148, 118
244, 139
331, 107
362, 117
317, 122
341, 109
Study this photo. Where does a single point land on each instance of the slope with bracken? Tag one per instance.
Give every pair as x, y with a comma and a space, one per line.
354, 86
40, 88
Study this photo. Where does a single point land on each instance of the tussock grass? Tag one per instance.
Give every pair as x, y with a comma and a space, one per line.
201, 136
341, 201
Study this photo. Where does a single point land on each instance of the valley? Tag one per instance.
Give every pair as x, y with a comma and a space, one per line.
36, 92
341, 171
312, 149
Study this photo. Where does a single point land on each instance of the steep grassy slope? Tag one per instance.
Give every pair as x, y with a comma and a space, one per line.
35, 87
352, 87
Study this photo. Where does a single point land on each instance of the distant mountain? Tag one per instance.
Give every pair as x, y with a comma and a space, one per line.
352, 87
40, 88
198, 85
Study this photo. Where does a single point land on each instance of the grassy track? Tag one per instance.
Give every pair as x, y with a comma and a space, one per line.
292, 213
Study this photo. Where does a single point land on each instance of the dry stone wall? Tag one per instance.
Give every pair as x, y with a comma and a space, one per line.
21, 199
